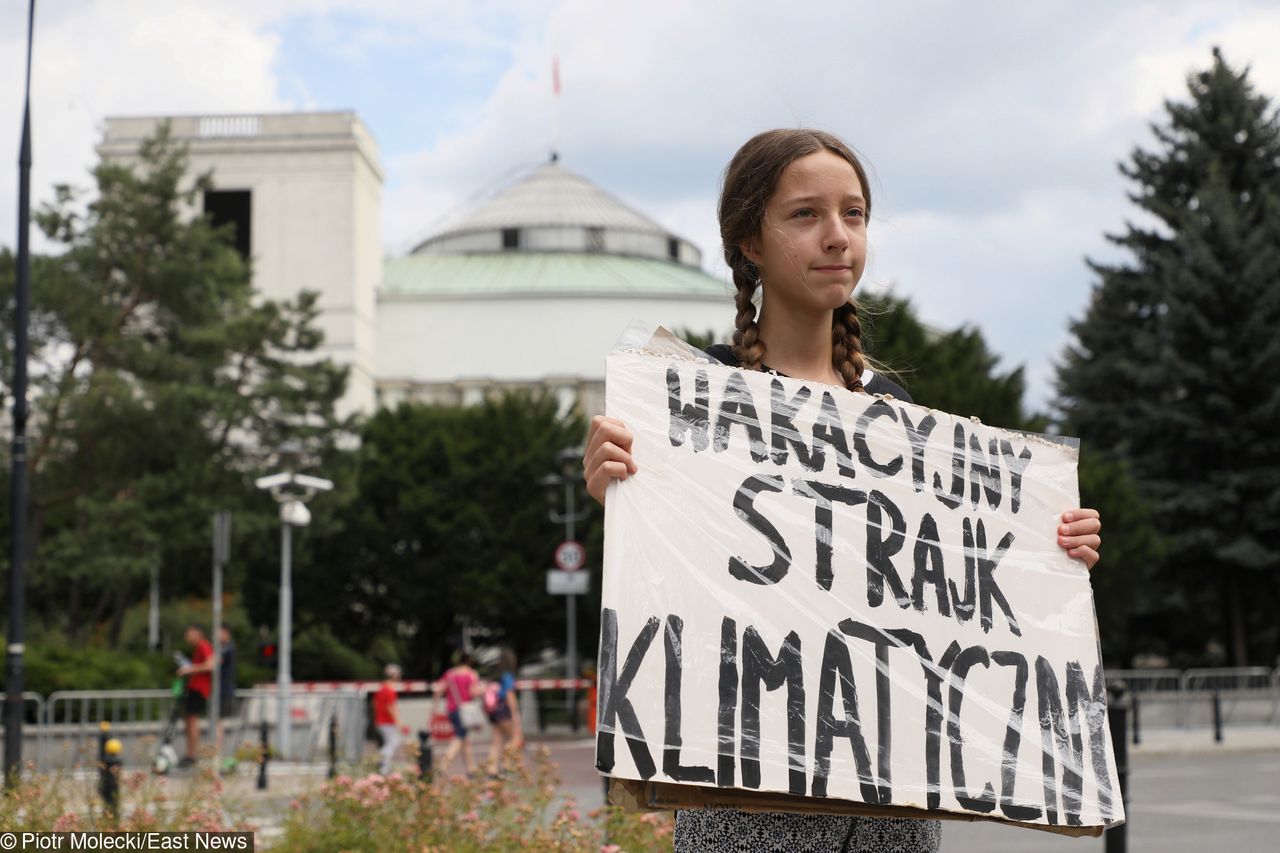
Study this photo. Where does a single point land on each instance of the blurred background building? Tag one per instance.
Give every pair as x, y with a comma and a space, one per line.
528, 289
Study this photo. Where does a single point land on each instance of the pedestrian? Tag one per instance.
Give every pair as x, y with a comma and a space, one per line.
386, 716
226, 689
458, 685
195, 693
793, 215
503, 710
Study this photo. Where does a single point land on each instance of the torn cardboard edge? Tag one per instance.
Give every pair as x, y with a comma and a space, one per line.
636, 796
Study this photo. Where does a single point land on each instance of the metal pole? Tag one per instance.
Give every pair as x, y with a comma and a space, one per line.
571, 601
1217, 717
153, 611
18, 454
1116, 838
283, 679
221, 521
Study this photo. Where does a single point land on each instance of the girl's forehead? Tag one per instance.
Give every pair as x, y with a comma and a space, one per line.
820, 173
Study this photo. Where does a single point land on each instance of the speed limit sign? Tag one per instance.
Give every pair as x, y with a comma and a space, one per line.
570, 556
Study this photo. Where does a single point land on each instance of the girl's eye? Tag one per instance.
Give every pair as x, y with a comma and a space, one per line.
803, 213
854, 213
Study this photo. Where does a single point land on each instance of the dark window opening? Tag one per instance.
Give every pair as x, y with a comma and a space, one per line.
511, 238
673, 248
232, 207
595, 238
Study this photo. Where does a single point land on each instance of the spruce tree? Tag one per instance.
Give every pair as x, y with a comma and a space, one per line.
1174, 372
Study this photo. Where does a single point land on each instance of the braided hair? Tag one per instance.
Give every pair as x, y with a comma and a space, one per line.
749, 182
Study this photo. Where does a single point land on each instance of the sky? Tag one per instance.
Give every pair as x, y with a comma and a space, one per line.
992, 130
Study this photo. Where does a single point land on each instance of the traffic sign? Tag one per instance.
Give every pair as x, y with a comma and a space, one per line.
570, 556
568, 583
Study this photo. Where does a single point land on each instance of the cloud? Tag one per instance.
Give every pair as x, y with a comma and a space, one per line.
95, 59
993, 134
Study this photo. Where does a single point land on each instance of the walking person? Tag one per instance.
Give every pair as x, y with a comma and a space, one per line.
386, 716
458, 685
226, 691
793, 220
195, 693
502, 707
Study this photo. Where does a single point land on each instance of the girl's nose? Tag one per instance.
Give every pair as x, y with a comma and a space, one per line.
834, 237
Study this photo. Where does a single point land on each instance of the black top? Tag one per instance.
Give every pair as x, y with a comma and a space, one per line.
227, 668
877, 384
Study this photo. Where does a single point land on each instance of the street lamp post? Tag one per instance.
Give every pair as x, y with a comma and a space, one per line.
291, 491
553, 483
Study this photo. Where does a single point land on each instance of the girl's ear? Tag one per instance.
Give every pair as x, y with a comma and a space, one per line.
751, 249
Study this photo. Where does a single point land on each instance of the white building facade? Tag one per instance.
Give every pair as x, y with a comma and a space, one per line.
528, 290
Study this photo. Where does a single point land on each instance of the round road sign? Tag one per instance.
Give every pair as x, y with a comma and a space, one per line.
570, 556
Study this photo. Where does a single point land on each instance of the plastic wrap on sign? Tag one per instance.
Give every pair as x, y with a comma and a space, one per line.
815, 600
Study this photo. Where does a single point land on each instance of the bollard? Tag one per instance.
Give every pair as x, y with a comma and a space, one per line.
1217, 717
1117, 837
333, 747
262, 758
1137, 737
109, 768
109, 782
424, 755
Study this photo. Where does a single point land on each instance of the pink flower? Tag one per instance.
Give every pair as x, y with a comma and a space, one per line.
610, 848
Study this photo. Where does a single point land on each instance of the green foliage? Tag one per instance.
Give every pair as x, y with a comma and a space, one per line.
63, 667
160, 385
698, 340
1175, 367
448, 522
320, 656
1130, 616
951, 371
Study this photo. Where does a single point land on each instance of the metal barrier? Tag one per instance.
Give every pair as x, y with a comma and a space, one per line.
1146, 680
1191, 698
69, 724
1227, 678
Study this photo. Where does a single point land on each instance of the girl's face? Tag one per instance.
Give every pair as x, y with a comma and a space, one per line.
812, 248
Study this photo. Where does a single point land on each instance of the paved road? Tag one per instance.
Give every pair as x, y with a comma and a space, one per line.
1178, 803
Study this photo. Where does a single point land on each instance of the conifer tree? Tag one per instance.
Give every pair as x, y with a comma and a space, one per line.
1175, 367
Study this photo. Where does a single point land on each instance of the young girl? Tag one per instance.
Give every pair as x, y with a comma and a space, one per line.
458, 685
793, 220
504, 716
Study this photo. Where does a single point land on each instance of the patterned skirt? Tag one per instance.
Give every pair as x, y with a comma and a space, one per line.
724, 830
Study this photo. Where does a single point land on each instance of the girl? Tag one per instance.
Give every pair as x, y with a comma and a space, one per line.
504, 715
793, 220
458, 685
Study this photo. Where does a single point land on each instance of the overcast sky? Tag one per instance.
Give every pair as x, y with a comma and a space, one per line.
992, 129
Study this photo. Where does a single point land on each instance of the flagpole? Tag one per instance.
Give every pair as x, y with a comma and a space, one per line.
18, 478
555, 109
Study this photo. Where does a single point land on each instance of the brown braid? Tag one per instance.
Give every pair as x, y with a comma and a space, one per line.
748, 348
846, 345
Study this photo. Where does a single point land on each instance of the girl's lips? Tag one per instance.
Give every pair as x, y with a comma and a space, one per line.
832, 269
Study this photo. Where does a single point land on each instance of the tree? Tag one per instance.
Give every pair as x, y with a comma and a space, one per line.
952, 371
159, 386
1175, 366
448, 523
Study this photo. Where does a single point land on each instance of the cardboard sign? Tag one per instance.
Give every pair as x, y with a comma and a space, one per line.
849, 599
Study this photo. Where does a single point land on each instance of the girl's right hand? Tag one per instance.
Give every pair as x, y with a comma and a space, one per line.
608, 455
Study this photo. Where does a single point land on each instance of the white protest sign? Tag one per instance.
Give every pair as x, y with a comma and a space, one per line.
834, 595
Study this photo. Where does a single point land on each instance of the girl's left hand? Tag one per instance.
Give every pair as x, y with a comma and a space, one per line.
1078, 533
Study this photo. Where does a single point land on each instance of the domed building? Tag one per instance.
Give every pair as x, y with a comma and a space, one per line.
530, 289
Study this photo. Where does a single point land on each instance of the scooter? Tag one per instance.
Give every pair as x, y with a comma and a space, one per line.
166, 756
